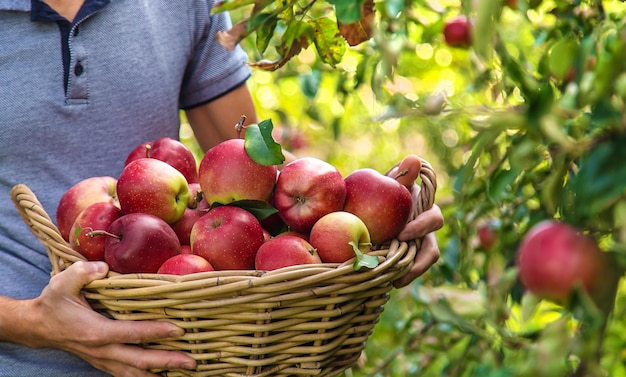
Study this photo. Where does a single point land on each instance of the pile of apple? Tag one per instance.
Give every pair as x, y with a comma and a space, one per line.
166, 214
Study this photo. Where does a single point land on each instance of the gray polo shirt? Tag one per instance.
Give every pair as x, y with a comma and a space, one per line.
132, 66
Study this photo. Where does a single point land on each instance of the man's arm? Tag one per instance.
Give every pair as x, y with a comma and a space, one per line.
214, 122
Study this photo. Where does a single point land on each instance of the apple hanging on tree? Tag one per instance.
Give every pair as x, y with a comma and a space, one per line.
457, 32
555, 258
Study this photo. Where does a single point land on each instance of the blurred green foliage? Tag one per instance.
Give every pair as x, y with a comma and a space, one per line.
525, 125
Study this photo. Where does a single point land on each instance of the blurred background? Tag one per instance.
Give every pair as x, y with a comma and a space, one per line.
507, 121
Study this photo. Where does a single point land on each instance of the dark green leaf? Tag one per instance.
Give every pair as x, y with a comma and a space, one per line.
259, 208
499, 185
347, 11
265, 31
310, 83
601, 180
261, 146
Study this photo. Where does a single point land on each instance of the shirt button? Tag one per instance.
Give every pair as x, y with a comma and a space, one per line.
78, 69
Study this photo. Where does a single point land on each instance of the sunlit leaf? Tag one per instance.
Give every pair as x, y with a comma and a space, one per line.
330, 46
228, 5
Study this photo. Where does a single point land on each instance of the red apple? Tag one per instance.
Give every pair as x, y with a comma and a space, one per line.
457, 32
139, 243
78, 197
407, 170
228, 174
555, 258
380, 201
182, 227
170, 151
335, 234
487, 236
285, 251
185, 249
304, 236
228, 237
152, 186
197, 200
307, 189
97, 216
184, 264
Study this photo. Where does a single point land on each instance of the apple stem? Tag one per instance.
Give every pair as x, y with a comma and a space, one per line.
148, 150
95, 233
401, 173
239, 126
194, 200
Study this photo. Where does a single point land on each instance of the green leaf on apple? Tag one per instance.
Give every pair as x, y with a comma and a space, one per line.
260, 144
76, 234
362, 259
259, 208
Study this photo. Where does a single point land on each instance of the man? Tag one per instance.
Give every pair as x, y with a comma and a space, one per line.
82, 82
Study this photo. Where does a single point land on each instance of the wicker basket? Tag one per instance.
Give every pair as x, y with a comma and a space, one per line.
309, 320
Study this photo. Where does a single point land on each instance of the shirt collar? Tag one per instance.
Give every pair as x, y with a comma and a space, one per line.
41, 12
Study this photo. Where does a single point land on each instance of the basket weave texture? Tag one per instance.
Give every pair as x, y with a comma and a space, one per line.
310, 320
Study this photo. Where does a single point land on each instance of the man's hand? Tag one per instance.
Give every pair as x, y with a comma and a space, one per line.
61, 318
422, 226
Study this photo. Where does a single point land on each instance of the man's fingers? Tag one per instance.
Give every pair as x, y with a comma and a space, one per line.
79, 274
128, 360
426, 222
136, 332
427, 255
145, 359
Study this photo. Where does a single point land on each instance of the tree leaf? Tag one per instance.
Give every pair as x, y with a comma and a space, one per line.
601, 179
230, 38
310, 83
265, 31
330, 45
228, 5
260, 144
362, 29
297, 37
347, 11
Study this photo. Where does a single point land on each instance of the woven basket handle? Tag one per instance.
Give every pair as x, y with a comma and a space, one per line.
39, 222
